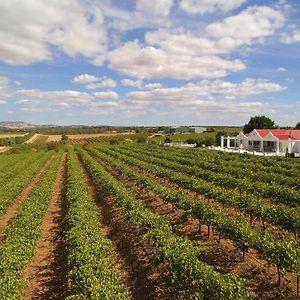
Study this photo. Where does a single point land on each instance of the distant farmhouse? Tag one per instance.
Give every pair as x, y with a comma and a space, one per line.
187, 129
269, 141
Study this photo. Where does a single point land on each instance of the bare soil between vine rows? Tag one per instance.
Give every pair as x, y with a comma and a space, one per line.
14, 209
134, 253
47, 272
261, 277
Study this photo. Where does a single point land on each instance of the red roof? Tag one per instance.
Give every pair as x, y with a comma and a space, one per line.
281, 134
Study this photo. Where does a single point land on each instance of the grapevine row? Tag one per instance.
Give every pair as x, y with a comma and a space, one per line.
15, 187
289, 168
22, 235
17, 166
284, 254
277, 193
90, 254
233, 168
276, 214
204, 281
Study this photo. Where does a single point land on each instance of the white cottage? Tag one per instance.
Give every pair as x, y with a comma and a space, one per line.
278, 141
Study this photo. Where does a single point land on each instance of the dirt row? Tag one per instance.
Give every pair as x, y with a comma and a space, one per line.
261, 277
134, 253
46, 274
232, 211
13, 210
47, 271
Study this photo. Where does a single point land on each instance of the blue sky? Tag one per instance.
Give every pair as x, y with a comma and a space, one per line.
158, 62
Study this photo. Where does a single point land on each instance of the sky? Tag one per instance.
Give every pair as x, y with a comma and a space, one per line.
149, 63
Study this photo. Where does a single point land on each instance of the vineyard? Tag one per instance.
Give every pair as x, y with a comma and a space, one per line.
145, 221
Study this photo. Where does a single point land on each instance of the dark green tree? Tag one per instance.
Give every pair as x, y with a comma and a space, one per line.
64, 138
218, 137
168, 140
297, 125
259, 122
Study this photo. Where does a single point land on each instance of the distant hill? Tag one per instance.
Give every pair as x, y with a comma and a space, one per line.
16, 125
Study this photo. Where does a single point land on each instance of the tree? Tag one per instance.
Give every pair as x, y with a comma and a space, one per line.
168, 140
219, 135
259, 122
64, 138
297, 125
141, 139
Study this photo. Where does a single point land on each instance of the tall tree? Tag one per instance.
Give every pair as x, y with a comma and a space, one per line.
259, 122
297, 125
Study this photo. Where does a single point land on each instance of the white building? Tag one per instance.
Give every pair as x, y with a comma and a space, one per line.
277, 141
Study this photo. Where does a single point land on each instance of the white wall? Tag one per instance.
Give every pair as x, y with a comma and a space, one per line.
296, 147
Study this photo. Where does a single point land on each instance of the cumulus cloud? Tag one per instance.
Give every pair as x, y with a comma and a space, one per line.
181, 42
194, 94
251, 25
209, 6
105, 83
4, 88
290, 38
103, 108
282, 69
207, 100
150, 62
153, 86
106, 95
30, 29
133, 83
180, 54
95, 82
154, 7
36, 100
85, 78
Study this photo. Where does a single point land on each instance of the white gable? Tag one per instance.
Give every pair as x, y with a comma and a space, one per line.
254, 136
270, 137
241, 136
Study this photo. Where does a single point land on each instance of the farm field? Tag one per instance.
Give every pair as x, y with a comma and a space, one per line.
96, 135
11, 135
144, 221
37, 138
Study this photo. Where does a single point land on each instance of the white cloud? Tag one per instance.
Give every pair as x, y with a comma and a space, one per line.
2, 102
180, 42
251, 25
209, 6
149, 62
282, 69
290, 38
30, 29
105, 83
153, 86
85, 78
194, 94
36, 100
106, 95
206, 101
4, 88
103, 108
154, 7
134, 83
